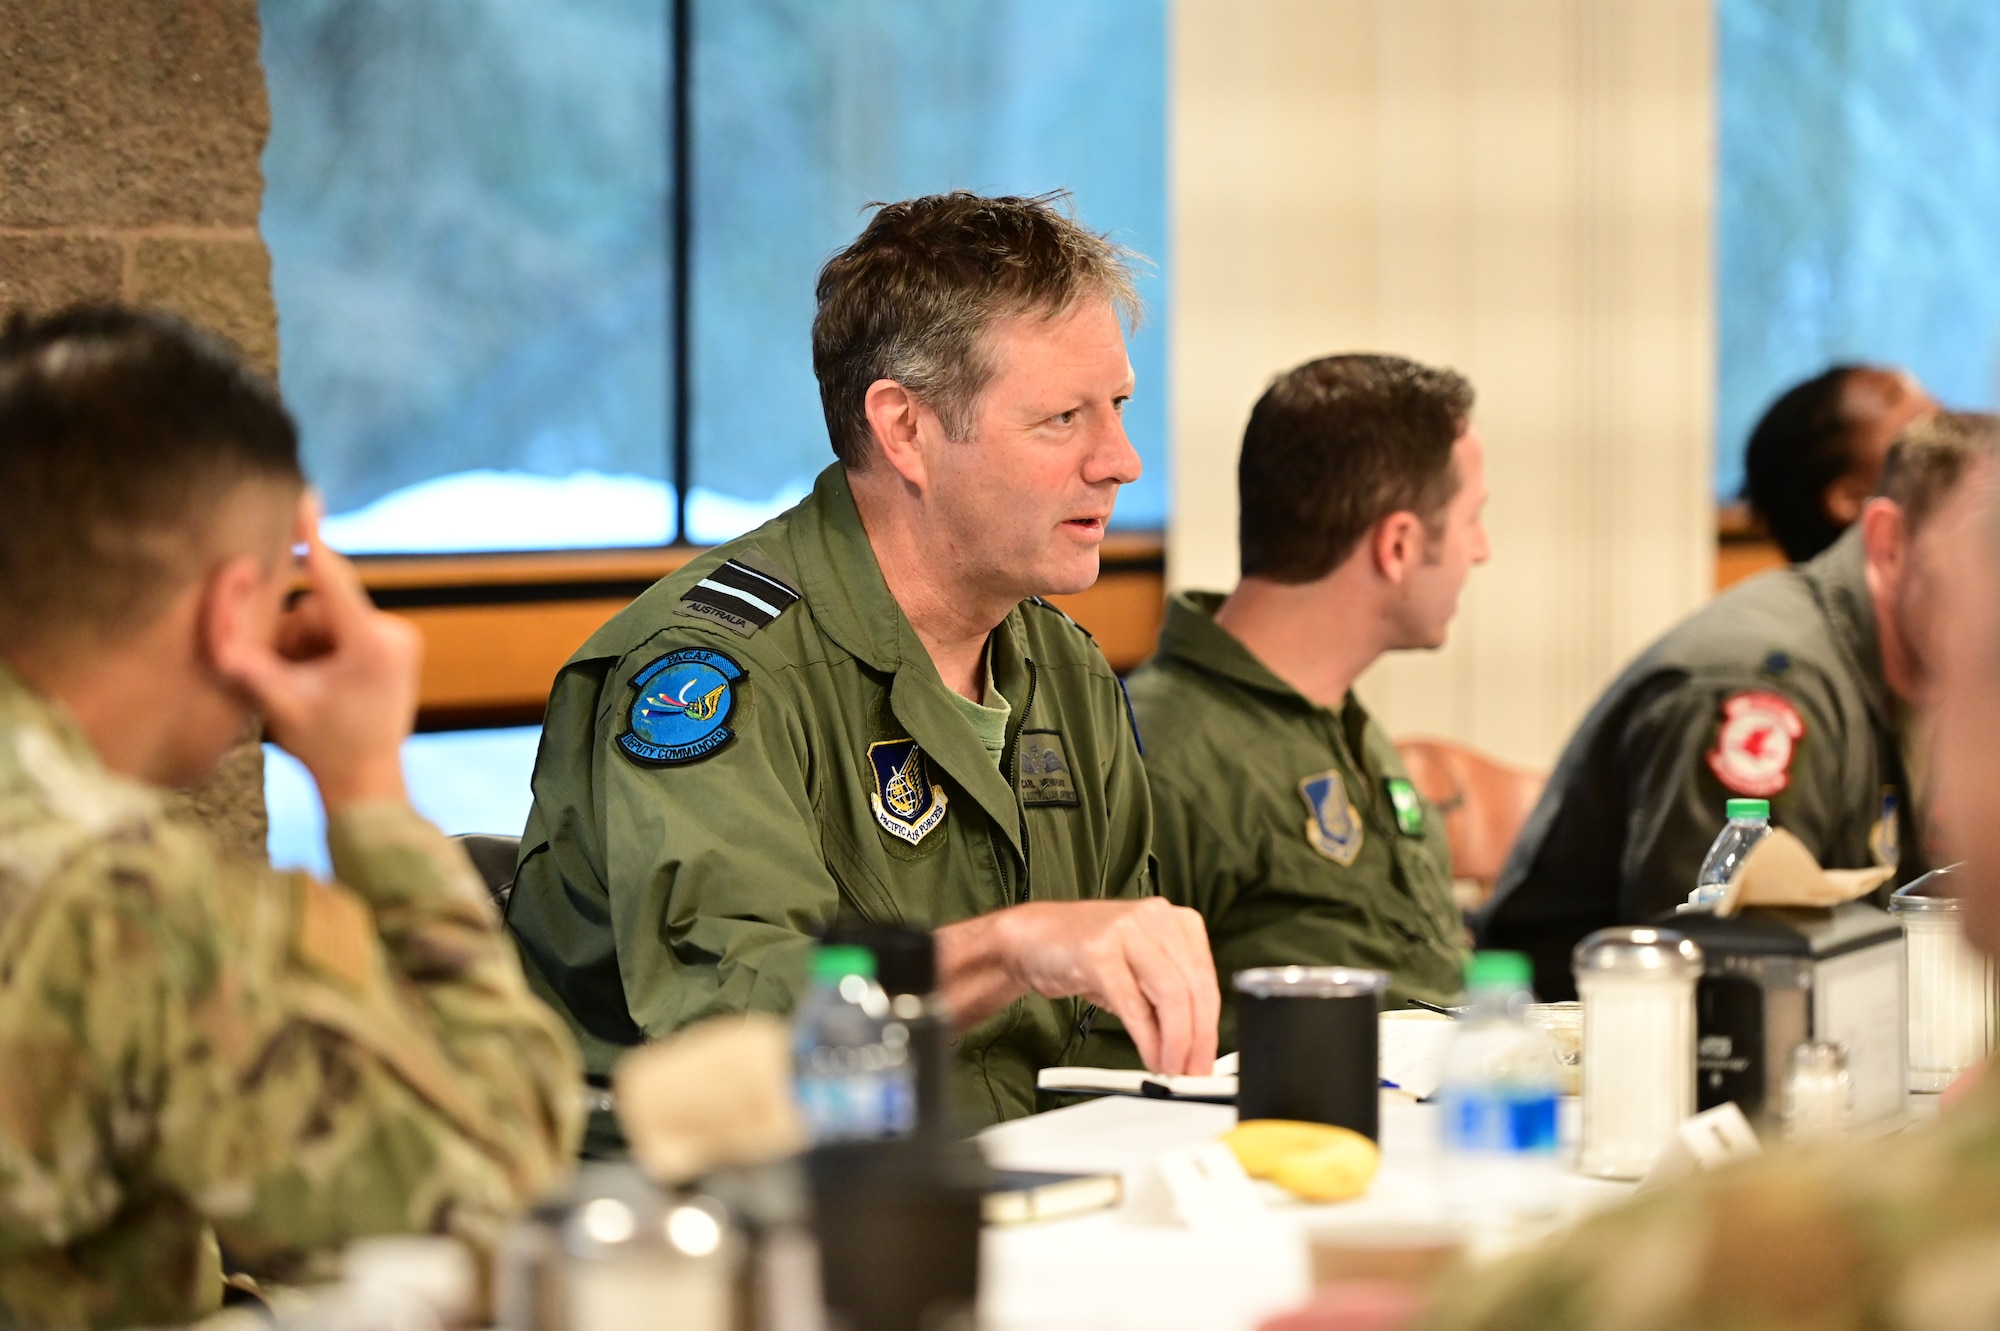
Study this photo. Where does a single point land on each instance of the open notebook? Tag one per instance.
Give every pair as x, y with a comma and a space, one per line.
1412, 1046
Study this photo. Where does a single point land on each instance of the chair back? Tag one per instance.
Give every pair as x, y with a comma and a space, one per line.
1483, 801
493, 856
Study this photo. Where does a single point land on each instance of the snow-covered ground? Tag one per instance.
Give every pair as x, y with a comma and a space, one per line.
462, 780
511, 510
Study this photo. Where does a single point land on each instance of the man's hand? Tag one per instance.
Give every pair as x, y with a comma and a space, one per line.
338, 688
1146, 961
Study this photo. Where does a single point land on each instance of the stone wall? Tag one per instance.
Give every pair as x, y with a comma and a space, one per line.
130, 132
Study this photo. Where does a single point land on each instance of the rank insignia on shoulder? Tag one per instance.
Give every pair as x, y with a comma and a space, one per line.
683, 700
742, 595
1754, 745
1409, 805
1044, 769
907, 802
1333, 828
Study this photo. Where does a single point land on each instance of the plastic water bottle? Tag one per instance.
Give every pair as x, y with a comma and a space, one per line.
1499, 1097
854, 1070
1749, 822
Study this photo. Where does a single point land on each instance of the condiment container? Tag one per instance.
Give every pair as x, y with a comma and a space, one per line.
1951, 986
1637, 986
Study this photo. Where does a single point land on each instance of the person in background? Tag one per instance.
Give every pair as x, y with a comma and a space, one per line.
198, 1048
1281, 809
863, 712
1816, 454
1800, 686
1898, 1233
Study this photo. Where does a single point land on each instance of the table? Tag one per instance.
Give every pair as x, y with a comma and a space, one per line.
1109, 1272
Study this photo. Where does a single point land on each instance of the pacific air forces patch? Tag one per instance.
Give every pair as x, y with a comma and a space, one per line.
1333, 828
1753, 750
680, 706
907, 802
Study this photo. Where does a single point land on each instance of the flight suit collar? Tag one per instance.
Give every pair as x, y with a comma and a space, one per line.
1839, 579
851, 602
1191, 636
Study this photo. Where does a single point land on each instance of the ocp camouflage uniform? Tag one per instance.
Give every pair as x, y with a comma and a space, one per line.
1292, 828
1894, 1234
1773, 690
760, 746
195, 1048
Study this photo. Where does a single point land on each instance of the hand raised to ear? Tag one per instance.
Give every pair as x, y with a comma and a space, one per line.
338, 686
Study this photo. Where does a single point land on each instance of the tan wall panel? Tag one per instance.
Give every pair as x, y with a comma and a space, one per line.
1517, 188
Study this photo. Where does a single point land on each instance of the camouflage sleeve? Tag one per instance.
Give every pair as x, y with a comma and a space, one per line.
1826, 1242
322, 1061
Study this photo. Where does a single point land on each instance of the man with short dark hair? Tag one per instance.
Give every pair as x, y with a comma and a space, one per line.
1799, 687
196, 1047
1816, 453
862, 712
1281, 810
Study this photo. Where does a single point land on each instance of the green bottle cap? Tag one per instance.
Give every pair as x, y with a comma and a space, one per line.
1748, 808
1499, 970
839, 961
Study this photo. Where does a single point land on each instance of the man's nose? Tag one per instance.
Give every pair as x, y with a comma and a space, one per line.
1113, 458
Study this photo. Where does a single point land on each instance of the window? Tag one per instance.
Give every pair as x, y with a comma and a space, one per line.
471, 212
1860, 172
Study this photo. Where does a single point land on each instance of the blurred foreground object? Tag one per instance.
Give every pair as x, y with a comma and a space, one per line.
716, 1095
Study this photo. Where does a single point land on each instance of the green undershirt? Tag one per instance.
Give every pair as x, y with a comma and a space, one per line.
988, 721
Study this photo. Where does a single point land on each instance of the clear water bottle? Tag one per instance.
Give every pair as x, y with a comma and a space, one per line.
851, 1058
1499, 1097
1749, 823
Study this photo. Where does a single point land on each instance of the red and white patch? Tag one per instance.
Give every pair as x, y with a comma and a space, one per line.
1753, 750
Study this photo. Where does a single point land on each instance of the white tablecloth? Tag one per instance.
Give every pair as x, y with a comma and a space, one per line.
1109, 1272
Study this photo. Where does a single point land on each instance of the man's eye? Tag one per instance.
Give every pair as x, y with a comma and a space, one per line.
1066, 417
1118, 404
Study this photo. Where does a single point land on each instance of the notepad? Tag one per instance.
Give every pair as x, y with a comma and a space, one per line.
1219, 1087
1022, 1196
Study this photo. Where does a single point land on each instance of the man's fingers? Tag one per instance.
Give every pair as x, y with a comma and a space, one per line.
1163, 987
262, 674
337, 585
1118, 992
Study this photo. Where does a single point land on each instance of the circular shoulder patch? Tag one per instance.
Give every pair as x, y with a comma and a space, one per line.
682, 704
1754, 745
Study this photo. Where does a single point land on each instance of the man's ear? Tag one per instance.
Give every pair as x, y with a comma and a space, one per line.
1884, 540
233, 609
1844, 498
1396, 542
895, 418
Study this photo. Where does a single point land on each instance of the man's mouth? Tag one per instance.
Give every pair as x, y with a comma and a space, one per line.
1094, 526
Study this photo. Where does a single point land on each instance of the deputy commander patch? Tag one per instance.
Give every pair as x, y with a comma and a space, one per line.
907, 802
682, 702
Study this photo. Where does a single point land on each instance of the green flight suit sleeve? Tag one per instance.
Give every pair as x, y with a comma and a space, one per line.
718, 882
1674, 801
298, 1064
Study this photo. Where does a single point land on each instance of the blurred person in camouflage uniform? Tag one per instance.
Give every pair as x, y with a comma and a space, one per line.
1899, 1233
202, 1054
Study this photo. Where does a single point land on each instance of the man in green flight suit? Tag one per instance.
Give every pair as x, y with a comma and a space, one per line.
200, 1054
1799, 687
1281, 810
859, 712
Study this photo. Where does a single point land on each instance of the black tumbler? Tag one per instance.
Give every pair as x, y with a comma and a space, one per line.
1308, 1043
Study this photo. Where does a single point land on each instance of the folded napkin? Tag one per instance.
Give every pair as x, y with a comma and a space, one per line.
1780, 871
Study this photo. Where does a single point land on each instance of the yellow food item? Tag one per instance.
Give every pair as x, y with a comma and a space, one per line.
1316, 1161
1332, 1174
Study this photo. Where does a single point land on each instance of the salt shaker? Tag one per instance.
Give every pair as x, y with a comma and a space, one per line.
1951, 986
1819, 1093
1637, 986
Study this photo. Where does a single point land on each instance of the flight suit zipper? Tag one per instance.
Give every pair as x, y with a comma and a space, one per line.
1013, 754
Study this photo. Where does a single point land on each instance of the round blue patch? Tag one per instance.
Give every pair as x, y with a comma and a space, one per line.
683, 700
